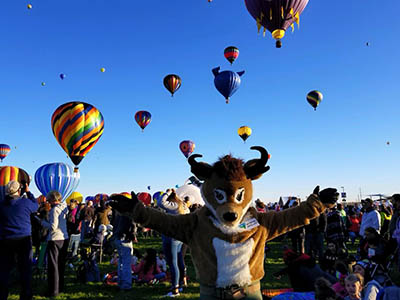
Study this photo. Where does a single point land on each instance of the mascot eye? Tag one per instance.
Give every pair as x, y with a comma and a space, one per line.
220, 196
239, 195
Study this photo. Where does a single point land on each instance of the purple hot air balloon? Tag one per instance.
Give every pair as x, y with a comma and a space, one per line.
4, 150
187, 147
226, 82
276, 15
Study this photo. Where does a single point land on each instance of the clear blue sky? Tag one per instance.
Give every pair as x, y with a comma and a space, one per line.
343, 143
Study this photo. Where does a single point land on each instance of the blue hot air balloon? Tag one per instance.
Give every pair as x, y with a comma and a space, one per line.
226, 82
57, 176
62, 76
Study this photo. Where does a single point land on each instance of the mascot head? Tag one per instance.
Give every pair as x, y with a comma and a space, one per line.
227, 189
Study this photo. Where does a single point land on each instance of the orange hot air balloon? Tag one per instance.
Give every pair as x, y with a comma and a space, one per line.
8, 173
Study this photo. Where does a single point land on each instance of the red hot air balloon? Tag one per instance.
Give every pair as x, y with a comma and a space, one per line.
145, 198
231, 53
172, 83
187, 147
4, 150
143, 118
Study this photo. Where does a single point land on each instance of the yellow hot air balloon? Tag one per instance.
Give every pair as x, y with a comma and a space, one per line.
244, 132
29, 6
75, 195
102, 70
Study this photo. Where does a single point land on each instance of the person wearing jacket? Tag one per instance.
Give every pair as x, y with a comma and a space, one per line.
370, 218
15, 237
57, 243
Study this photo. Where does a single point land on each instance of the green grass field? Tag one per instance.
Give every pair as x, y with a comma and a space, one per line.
91, 291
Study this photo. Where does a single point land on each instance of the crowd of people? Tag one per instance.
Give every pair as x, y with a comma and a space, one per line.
317, 259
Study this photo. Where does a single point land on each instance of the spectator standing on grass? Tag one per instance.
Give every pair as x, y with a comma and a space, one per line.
15, 237
370, 218
86, 216
335, 230
73, 227
57, 243
314, 239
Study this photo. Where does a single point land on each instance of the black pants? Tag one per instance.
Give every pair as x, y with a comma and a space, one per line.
21, 251
57, 254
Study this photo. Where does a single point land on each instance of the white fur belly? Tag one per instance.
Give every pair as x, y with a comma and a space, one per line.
233, 262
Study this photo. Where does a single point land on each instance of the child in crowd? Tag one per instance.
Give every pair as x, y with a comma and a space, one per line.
354, 284
329, 258
161, 262
114, 258
136, 256
148, 271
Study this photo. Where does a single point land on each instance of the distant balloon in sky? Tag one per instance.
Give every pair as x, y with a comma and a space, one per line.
57, 177
231, 53
149, 187
4, 150
43, 83
227, 82
276, 15
143, 118
77, 127
314, 98
29, 6
187, 147
172, 83
367, 44
244, 132
102, 70
62, 76
388, 143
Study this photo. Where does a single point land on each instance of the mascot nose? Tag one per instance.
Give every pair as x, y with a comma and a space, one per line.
230, 216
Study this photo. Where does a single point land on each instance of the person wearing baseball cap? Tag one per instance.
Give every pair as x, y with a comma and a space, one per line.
371, 217
15, 237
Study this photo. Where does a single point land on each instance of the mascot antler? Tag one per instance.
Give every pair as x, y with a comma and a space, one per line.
200, 169
256, 167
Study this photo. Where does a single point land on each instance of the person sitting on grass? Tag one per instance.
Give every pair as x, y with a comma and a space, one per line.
148, 271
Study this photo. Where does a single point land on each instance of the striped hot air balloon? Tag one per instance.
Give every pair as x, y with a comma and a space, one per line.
4, 150
8, 173
314, 98
57, 177
172, 83
231, 53
77, 126
100, 197
143, 118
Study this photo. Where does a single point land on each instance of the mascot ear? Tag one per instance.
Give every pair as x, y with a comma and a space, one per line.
256, 167
201, 170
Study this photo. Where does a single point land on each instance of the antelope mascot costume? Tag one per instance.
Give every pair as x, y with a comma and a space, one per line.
227, 236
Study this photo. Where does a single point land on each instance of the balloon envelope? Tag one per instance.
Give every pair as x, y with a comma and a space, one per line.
89, 198
8, 173
314, 98
187, 147
231, 53
172, 83
143, 118
244, 132
102, 70
75, 195
276, 15
77, 126
4, 150
57, 177
227, 82
192, 192
62, 76
145, 198
100, 197
157, 196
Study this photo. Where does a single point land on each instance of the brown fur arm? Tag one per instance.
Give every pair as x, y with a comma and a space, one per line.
278, 223
179, 227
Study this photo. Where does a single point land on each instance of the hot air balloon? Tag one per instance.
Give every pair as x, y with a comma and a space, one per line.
75, 195
57, 177
143, 118
227, 82
231, 53
4, 150
192, 192
314, 98
100, 197
77, 126
276, 15
187, 147
29, 6
102, 70
89, 198
157, 196
126, 194
172, 83
8, 173
145, 198
244, 132
388, 143
43, 83
62, 76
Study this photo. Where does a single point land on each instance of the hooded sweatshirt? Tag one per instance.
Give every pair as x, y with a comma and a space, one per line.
57, 222
15, 221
